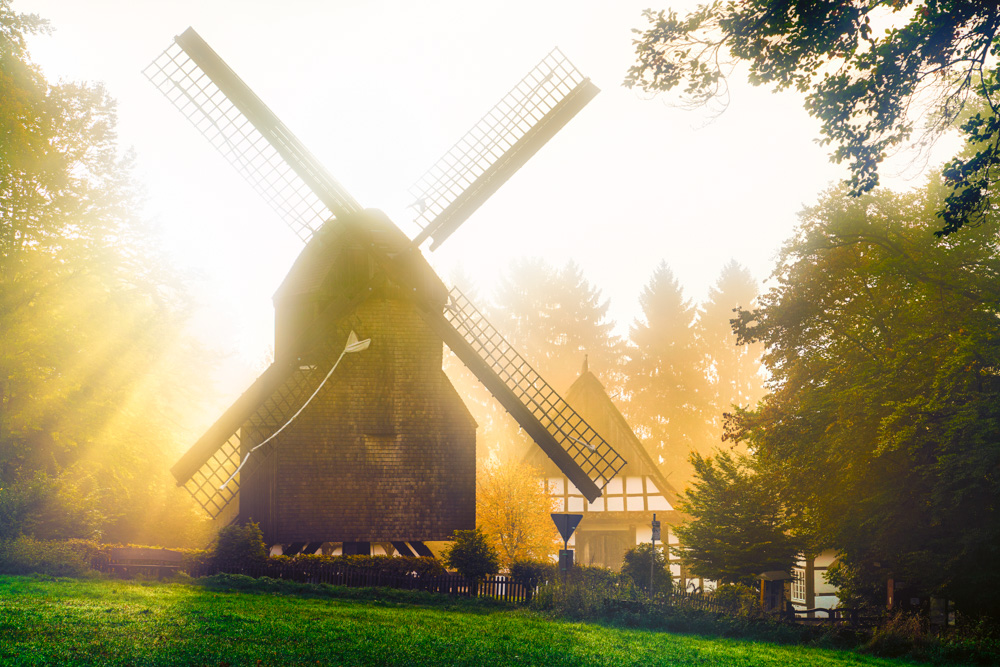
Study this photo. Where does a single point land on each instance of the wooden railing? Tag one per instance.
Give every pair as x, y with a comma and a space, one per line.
498, 587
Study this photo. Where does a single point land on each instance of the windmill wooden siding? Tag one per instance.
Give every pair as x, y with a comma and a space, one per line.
386, 450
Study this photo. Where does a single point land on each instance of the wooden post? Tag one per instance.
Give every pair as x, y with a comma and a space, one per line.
810, 583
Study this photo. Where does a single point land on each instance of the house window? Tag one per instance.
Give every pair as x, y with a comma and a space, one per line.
798, 585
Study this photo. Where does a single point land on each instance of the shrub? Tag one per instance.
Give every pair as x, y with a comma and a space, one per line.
197, 562
472, 555
239, 545
644, 564
583, 593
533, 572
26, 555
744, 600
898, 635
392, 565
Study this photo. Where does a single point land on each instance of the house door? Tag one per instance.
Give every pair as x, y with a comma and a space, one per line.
605, 548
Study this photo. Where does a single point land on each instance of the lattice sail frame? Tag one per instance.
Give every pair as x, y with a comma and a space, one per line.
274, 412
490, 139
251, 138
234, 120
598, 460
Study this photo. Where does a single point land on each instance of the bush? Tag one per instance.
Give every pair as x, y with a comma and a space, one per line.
643, 562
197, 562
533, 572
392, 565
239, 545
472, 555
583, 593
26, 555
898, 635
744, 600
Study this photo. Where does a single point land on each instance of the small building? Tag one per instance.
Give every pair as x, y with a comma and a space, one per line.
621, 518
810, 589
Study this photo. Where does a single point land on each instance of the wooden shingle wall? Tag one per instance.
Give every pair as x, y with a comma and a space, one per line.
385, 452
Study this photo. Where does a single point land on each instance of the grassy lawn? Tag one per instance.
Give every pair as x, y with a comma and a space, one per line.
118, 622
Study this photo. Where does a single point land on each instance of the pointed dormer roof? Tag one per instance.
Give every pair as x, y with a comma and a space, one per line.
590, 399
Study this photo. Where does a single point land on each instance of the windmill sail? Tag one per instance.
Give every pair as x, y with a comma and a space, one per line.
261, 148
576, 448
265, 407
260, 411
498, 145
217, 102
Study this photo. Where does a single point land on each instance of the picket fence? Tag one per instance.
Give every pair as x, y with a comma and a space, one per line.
497, 587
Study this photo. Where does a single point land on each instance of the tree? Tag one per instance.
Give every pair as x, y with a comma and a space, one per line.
638, 567
92, 361
667, 388
734, 370
472, 555
881, 428
555, 317
864, 65
739, 526
513, 511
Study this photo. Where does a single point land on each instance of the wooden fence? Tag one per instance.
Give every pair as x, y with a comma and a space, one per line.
497, 587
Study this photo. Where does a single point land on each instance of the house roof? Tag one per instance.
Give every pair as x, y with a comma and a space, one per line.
589, 397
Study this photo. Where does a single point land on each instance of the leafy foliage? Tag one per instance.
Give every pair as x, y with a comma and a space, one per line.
881, 426
242, 545
93, 367
864, 66
739, 527
643, 562
472, 555
513, 511
396, 565
58, 558
533, 572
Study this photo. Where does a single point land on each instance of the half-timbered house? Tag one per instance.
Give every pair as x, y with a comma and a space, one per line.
622, 517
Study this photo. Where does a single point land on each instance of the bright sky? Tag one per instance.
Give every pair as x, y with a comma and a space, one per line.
378, 90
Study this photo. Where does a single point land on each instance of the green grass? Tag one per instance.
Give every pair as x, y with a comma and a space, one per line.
111, 622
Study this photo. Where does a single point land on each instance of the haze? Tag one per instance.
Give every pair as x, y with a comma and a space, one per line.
379, 90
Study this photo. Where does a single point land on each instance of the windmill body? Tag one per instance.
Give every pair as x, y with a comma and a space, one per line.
379, 448
387, 452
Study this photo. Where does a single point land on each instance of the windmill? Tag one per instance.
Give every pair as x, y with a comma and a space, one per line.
385, 451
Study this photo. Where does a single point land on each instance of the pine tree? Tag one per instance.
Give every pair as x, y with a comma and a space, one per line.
555, 318
668, 392
734, 371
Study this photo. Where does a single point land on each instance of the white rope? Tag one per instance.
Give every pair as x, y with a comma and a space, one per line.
353, 345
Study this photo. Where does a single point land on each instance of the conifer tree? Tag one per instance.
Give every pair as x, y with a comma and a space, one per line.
667, 388
734, 370
555, 317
